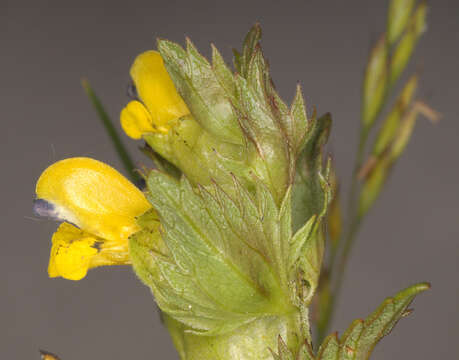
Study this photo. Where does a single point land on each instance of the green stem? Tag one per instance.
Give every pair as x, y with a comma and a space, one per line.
339, 259
112, 133
348, 237
341, 265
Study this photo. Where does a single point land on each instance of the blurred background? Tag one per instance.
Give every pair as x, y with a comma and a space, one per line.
411, 235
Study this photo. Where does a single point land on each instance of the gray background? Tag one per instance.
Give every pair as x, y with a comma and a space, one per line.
46, 46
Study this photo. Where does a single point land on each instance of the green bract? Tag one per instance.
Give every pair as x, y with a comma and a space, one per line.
241, 191
232, 251
359, 340
238, 123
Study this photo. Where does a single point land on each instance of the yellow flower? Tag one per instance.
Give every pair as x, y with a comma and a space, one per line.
99, 207
48, 356
159, 102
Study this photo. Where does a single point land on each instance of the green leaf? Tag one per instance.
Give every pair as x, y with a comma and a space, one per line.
199, 87
237, 60
350, 339
305, 352
398, 18
226, 257
361, 337
238, 122
308, 194
223, 74
272, 163
290, 125
329, 349
159, 162
299, 240
382, 321
242, 61
297, 128
200, 155
359, 340
309, 265
284, 351
307, 249
310, 200
279, 133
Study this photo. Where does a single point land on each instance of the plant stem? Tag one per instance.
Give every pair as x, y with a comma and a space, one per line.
339, 259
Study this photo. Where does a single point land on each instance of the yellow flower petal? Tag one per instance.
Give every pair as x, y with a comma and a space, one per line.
156, 89
75, 251
93, 196
71, 253
48, 356
136, 120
